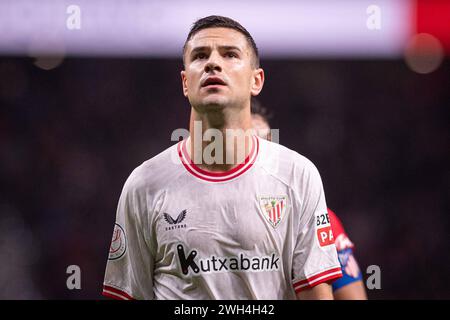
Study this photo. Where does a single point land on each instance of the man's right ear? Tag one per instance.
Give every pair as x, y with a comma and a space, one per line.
184, 83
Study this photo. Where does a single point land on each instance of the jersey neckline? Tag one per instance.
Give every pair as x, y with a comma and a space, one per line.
216, 176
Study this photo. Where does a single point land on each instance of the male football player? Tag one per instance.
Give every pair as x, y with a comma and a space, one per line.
222, 214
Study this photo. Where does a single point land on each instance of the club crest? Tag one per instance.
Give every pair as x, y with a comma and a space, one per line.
273, 208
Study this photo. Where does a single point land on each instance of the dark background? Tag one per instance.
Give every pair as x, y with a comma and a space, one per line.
69, 137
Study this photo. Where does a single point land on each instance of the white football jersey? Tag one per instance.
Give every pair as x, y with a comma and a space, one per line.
258, 231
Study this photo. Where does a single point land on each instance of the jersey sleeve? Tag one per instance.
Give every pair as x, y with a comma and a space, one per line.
315, 258
129, 270
349, 266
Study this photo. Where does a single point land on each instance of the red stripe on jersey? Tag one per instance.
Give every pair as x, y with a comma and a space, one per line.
217, 176
326, 279
314, 280
115, 293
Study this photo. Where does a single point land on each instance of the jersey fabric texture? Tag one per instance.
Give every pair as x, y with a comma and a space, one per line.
252, 232
349, 267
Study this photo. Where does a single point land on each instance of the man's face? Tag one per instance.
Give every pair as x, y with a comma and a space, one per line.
219, 69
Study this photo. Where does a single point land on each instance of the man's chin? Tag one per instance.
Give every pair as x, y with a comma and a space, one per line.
214, 102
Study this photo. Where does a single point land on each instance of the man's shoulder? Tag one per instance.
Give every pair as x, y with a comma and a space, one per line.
281, 159
155, 172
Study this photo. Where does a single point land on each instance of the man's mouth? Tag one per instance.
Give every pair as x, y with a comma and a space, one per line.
213, 81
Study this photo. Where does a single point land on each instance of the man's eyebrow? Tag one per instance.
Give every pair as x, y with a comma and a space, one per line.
205, 48
230, 48
198, 49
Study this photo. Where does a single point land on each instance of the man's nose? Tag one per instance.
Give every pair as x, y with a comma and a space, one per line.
213, 64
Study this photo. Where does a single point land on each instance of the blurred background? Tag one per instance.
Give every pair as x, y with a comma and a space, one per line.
91, 89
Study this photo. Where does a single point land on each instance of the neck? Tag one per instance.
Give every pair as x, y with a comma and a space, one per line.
221, 139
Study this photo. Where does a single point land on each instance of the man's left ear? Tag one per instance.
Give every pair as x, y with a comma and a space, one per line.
184, 83
258, 81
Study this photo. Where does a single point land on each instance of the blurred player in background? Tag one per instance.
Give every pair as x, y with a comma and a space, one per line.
350, 286
233, 228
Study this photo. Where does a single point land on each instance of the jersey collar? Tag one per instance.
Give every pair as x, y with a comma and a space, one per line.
217, 176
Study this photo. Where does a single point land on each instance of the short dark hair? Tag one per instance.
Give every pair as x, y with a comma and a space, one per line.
221, 22
257, 108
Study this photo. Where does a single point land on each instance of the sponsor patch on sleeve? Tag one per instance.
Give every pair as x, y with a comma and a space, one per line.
325, 236
118, 243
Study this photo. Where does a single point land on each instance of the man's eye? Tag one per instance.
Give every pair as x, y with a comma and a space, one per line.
200, 56
231, 55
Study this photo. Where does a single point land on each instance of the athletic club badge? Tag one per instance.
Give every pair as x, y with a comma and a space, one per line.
118, 243
273, 208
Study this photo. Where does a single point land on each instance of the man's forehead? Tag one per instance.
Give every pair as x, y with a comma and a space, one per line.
218, 37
